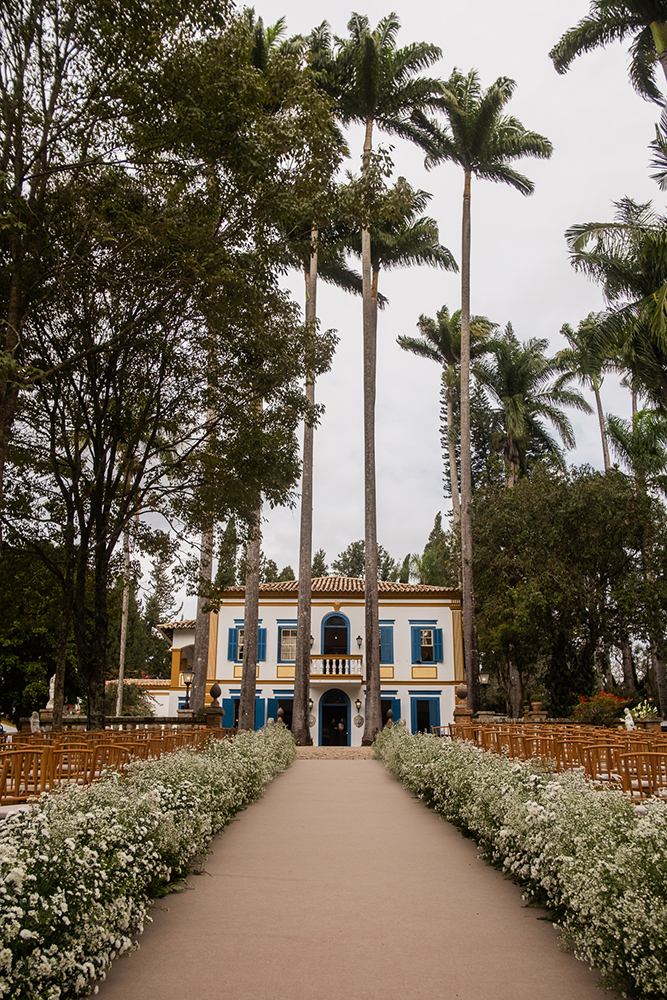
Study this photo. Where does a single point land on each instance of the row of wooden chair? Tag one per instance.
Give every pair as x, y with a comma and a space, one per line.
633, 761
31, 767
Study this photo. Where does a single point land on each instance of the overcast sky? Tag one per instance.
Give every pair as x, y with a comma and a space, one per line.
600, 130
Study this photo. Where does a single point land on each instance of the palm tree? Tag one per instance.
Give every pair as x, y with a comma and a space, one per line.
377, 83
529, 389
441, 342
629, 258
641, 445
585, 361
610, 20
482, 140
332, 268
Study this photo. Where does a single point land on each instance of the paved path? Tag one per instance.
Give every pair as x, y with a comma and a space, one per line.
339, 884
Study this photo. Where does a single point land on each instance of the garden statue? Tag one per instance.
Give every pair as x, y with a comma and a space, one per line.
34, 723
52, 690
629, 721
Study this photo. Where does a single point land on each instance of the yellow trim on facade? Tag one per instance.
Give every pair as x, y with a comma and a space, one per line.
386, 672
285, 670
175, 667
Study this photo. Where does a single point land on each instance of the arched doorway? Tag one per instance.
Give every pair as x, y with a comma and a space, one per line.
334, 709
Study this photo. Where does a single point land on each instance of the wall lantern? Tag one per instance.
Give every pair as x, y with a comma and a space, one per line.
188, 677
359, 641
358, 704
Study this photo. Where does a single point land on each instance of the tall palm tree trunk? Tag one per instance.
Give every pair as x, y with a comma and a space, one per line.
250, 626
124, 615
203, 619
300, 710
373, 723
603, 426
451, 449
468, 604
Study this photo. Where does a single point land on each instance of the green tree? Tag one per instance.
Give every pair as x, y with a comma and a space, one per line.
351, 562
65, 99
440, 341
438, 564
559, 581
585, 361
528, 387
319, 567
377, 83
484, 141
228, 547
628, 257
645, 21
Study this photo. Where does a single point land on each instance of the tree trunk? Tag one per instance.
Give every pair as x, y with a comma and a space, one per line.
125, 611
628, 666
515, 691
97, 678
451, 448
658, 664
250, 627
9, 390
203, 620
301, 710
603, 426
373, 721
468, 603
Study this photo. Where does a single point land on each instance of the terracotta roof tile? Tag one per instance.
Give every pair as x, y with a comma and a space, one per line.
329, 585
346, 585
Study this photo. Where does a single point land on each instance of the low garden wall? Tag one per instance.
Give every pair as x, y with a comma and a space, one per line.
79, 868
596, 861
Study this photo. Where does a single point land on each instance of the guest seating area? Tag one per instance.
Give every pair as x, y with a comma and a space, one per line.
635, 761
33, 763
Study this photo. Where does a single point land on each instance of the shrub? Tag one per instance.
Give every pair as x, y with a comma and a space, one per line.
78, 869
601, 710
588, 854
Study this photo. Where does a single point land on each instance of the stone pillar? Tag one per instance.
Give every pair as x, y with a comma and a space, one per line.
214, 711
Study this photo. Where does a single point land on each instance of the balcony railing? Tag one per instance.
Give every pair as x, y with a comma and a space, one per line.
322, 664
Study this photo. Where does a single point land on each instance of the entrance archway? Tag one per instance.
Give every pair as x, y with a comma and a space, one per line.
334, 709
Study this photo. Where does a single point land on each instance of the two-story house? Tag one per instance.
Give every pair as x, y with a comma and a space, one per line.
421, 655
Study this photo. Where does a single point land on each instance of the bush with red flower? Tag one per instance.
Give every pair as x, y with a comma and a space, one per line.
602, 709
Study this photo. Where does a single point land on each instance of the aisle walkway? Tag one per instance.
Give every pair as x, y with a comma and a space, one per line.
339, 884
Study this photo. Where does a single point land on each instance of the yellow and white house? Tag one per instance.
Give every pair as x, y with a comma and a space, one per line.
421, 655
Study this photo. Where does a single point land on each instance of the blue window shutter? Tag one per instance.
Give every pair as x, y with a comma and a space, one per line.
386, 644
259, 713
233, 644
228, 709
396, 709
434, 708
416, 645
413, 713
437, 649
261, 643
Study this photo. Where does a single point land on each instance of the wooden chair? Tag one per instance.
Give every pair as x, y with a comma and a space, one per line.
644, 775
24, 774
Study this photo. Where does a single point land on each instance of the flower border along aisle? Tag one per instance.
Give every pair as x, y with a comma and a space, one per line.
598, 863
78, 870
